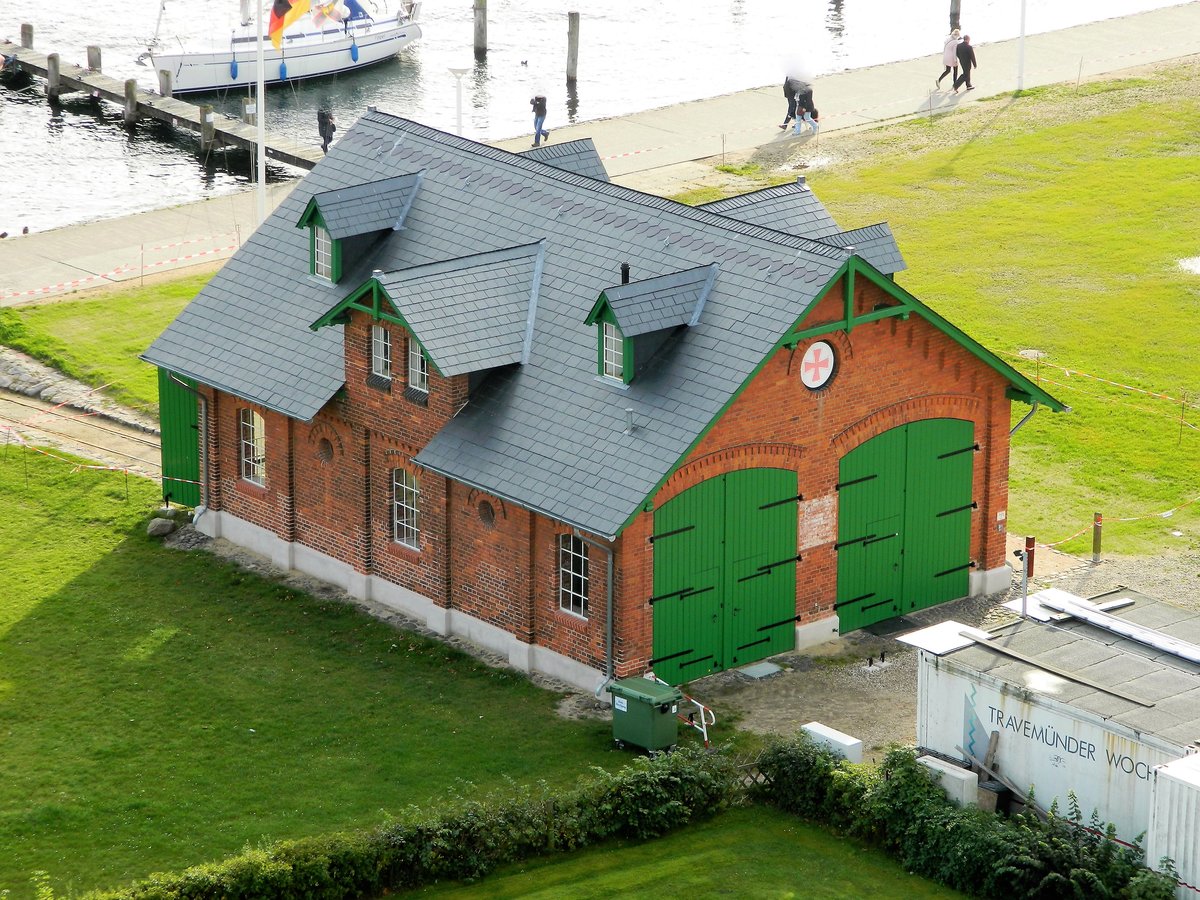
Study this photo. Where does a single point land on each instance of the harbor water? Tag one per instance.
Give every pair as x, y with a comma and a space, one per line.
77, 162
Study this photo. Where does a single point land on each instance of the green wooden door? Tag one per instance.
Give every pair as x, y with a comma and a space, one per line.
179, 440
904, 538
724, 574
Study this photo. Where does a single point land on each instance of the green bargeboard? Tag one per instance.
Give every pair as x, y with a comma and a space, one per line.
180, 440
724, 574
904, 521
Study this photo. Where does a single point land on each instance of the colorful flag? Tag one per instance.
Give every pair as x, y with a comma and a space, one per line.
283, 14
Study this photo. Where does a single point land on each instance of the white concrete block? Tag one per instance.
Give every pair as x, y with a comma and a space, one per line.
961, 785
841, 744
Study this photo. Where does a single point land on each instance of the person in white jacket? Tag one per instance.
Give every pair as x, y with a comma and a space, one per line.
950, 57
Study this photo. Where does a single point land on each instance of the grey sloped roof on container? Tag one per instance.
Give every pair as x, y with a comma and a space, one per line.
794, 209
363, 208
578, 156
655, 304
471, 313
548, 434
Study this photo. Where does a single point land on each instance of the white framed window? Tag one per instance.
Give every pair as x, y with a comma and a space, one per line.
418, 367
406, 514
381, 351
614, 352
322, 253
573, 575
253, 447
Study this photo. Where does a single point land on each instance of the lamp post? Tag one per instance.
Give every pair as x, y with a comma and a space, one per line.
458, 74
1021, 52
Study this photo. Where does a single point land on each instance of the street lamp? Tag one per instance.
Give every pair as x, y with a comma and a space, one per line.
1021, 52
458, 74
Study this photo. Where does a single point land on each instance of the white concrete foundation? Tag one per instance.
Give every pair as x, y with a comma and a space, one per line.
812, 633
961, 785
990, 581
843, 745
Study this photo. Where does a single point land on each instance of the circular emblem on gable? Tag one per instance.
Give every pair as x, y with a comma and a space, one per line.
817, 366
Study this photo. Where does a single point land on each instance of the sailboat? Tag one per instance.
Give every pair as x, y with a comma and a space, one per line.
338, 36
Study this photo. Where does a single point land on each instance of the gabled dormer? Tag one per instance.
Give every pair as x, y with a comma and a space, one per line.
633, 319
342, 224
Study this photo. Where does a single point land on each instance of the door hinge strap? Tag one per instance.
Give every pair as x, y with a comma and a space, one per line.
853, 600
974, 448
692, 592
783, 562
969, 565
670, 596
765, 640
867, 606
840, 544
972, 505
795, 499
656, 537
842, 484
699, 659
660, 659
886, 537
780, 624
755, 575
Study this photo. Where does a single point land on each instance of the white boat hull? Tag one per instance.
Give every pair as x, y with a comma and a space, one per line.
306, 54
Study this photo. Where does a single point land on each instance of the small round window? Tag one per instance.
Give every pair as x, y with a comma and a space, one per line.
487, 513
325, 450
818, 365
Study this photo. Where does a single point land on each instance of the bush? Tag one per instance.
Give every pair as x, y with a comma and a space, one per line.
899, 807
465, 840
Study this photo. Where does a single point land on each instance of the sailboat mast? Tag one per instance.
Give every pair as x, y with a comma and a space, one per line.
260, 101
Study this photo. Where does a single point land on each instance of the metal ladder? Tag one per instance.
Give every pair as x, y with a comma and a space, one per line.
706, 715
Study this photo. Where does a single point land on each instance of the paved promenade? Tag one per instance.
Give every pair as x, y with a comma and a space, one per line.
53, 263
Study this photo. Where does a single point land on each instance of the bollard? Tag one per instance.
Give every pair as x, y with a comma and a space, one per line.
207, 128
93, 53
572, 46
164, 83
480, 29
1097, 525
131, 101
249, 111
53, 78
1029, 554
27, 36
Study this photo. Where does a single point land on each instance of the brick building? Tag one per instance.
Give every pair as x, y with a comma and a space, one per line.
593, 429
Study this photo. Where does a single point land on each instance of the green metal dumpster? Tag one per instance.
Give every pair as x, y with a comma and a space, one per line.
644, 713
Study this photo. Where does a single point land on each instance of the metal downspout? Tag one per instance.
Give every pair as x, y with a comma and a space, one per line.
1029, 415
608, 610
203, 423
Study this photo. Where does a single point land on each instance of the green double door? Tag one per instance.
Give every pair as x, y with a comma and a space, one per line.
724, 574
904, 521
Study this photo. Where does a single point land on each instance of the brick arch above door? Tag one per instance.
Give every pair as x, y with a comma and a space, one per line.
729, 459
931, 406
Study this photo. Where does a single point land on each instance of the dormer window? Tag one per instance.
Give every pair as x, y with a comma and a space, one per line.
322, 253
613, 352
418, 367
381, 352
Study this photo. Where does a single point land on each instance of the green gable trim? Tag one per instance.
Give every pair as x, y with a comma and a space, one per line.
311, 215
1022, 388
599, 309
370, 298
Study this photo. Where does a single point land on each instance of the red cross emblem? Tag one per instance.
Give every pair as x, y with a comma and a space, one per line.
817, 366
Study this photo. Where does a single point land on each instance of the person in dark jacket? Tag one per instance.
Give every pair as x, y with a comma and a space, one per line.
966, 59
325, 127
539, 119
791, 87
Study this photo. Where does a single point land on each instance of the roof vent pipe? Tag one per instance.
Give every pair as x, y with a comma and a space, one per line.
629, 420
800, 179
624, 273
377, 273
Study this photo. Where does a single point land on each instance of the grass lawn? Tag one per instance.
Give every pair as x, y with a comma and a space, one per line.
754, 852
160, 708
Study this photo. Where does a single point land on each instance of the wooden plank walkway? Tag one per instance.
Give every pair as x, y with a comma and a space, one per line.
178, 113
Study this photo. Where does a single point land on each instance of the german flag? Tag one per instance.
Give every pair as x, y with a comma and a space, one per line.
283, 14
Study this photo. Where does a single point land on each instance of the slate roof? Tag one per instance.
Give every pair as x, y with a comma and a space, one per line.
656, 304
794, 209
550, 434
472, 313
363, 208
577, 156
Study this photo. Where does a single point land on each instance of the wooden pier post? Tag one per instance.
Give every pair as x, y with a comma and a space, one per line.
53, 78
131, 101
93, 53
164, 83
249, 111
572, 46
480, 29
27, 36
207, 129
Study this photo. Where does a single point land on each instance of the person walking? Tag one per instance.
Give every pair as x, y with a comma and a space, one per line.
950, 57
538, 102
791, 87
325, 128
966, 59
806, 111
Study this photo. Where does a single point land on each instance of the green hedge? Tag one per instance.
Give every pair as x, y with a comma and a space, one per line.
467, 840
899, 807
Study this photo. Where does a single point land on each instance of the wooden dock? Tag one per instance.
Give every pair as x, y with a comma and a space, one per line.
221, 130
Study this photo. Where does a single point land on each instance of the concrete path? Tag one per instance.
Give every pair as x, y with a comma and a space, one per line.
52, 263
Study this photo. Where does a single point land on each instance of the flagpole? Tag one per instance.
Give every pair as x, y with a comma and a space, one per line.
260, 119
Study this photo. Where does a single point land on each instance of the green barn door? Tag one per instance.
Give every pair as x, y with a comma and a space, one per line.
180, 440
724, 574
904, 521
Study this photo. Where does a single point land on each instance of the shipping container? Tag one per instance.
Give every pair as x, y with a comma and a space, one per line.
1174, 830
